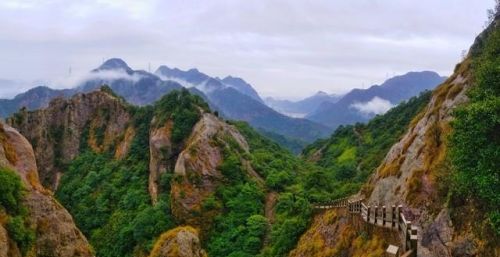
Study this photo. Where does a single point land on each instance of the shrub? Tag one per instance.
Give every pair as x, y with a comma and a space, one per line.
11, 192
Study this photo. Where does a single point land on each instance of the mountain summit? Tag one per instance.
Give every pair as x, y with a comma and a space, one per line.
115, 64
359, 105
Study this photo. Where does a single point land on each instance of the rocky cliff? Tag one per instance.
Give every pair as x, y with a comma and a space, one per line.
196, 169
57, 132
417, 173
178, 242
55, 231
176, 146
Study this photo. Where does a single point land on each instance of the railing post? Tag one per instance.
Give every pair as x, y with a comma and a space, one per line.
414, 241
383, 215
376, 214
393, 217
368, 213
399, 219
408, 236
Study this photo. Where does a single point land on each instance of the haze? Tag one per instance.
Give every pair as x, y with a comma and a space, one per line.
285, 49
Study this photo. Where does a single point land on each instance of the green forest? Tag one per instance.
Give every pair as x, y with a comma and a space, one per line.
475, 139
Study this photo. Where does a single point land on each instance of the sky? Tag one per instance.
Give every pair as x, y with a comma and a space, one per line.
284, 48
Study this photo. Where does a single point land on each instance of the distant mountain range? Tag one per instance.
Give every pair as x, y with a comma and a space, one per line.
231, 96
360, 105
236, 99
303, 107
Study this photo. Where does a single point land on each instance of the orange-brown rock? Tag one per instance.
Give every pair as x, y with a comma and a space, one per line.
196, 170
56, 233
161, 156
56, 132
178, 242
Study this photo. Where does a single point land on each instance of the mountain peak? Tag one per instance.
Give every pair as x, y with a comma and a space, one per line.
113, 64
321, 93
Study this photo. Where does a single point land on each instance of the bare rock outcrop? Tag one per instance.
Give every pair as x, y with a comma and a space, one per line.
162, 156
56, 132
7, 247
178, 242
56, 233
416, 169
196, 169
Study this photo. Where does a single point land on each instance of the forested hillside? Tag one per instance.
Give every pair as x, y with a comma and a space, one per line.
353, 152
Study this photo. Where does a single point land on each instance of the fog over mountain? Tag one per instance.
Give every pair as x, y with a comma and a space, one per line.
284, 53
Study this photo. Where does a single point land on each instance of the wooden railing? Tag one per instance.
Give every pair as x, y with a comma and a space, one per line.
390, 217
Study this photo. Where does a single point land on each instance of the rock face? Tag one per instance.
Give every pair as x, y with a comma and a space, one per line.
56, 131
421, 148
56, 233
196, 168
162, 156
413, 172
7, 247
178, 242
334, 233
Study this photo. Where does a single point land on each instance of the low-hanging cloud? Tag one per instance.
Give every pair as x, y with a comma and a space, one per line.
375, 106
325, 45
105, 75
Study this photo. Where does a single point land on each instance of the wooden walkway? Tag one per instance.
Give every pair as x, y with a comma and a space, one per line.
390, 217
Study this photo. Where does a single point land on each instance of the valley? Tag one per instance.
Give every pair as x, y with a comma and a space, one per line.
178, 163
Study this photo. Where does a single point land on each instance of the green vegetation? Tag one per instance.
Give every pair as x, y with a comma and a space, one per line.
294, 145
239, 230
11, 195
110, 201
183, 109
353, 152
475, 140
282, 172
109, 198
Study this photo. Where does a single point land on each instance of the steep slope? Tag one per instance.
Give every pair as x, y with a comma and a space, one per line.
242, 86
131, 173
443, 170
360, 105
238, 107
235, 104
195, 78
136, 86
32, 99
353, 152
420, 171
178, 242
303, 107
36, 224
58, 131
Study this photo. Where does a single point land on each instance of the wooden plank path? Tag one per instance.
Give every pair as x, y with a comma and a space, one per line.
390, 217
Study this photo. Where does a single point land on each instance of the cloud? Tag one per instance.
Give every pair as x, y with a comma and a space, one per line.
285, 48
105, 75
375, 106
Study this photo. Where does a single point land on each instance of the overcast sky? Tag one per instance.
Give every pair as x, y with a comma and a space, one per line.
288, 49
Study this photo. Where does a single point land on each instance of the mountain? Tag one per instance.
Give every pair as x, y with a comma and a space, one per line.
242, 86
303, 107
232, 102
142, 88
136, 86
174, 179
195, 78
359, 105
32, 223
442, 168
171, 174
32, 99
